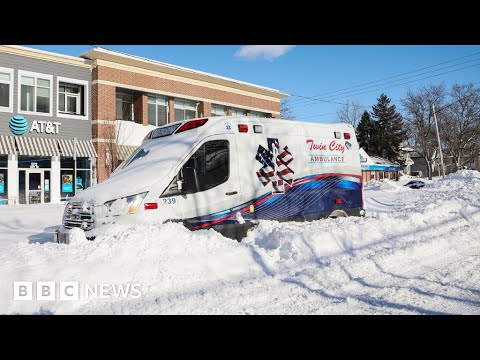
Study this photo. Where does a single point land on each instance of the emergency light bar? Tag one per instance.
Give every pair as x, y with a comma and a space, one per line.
193, 124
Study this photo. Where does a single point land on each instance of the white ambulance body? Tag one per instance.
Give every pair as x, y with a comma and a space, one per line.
226, 173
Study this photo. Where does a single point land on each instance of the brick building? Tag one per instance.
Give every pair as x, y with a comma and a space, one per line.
131, 95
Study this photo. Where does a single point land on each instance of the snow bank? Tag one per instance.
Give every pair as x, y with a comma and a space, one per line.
468, 179
345, 265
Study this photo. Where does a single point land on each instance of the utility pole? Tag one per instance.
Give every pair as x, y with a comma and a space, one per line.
438, 138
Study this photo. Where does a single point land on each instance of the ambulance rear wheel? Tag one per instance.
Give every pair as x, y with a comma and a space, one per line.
337, 213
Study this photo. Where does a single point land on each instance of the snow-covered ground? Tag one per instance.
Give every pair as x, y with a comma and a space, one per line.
416, 252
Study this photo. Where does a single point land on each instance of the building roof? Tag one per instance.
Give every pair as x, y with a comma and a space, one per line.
370, 162
382, 161
45, 55
99, 53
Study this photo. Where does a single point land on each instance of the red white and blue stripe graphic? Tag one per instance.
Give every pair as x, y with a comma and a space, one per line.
314, 194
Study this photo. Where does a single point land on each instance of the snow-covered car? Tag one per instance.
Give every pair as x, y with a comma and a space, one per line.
415, 184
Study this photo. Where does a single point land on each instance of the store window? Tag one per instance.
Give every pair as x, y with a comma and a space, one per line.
185, 110
258, 114
238, 112
82, 179
3, 180
25, 162
218, 110
21, 187
46, 186
71, 99
157, 110
124, 106
35, 92
6, 89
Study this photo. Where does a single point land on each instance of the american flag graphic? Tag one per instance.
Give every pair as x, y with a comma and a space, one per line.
275, 166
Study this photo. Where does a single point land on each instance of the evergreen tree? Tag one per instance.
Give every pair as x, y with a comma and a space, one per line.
389, 130
366, 132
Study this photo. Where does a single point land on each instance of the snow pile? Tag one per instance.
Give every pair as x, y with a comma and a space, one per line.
131, 133
394, 186
385, 185
416, 252
467, 180
372, 185
77, 236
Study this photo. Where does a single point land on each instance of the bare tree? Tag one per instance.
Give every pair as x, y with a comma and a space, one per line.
286, 111
350, 113
119, 135
460, 122
420, 122
111, 153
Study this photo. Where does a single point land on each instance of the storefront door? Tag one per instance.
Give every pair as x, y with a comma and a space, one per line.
34, 186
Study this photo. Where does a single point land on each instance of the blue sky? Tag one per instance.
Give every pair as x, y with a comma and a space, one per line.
318, 70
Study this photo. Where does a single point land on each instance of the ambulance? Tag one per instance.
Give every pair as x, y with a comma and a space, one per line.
227, 173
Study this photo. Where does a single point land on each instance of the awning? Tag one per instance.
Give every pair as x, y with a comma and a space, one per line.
381, 167
31, 146
84, 148
124, 151
7, 144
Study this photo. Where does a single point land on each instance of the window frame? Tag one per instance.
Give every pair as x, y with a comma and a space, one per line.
235, 109
36, 76
119, 92
8, 108
219, 106
156, 108
185, 101
85, 95
77, 168
258, 114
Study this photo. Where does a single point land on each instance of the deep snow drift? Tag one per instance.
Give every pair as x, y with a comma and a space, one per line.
416, 252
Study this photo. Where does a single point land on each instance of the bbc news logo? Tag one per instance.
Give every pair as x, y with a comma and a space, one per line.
72, 290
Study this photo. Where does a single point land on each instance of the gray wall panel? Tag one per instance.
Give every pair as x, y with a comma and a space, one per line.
81, 129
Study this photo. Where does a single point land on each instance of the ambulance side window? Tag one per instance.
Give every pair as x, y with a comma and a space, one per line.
207, 168
214, 168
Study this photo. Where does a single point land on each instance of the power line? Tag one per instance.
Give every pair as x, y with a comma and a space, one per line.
409, 72
410, 77
403, 108
316, 115
327, 101
382, 86
427, 77
389, 87
458, 100
395, 76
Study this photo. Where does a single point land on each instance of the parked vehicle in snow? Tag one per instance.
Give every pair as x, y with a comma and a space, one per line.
415, 184
226, 173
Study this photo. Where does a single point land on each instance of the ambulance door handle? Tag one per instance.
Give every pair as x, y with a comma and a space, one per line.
231, 193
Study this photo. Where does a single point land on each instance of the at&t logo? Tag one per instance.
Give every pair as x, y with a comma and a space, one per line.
19, 126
